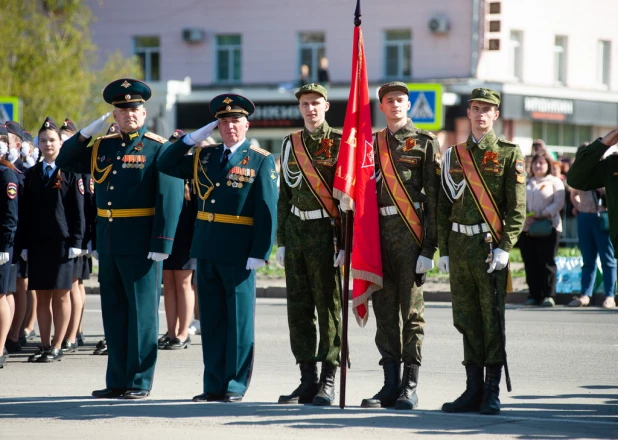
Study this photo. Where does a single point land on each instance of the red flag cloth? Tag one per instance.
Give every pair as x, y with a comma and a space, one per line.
355, 185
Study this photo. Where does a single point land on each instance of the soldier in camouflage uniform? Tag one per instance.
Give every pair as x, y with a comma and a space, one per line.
305, 238
462, 235
415, 154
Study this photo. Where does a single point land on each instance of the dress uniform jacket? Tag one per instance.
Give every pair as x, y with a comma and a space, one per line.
137, 213
9, 186
235, 221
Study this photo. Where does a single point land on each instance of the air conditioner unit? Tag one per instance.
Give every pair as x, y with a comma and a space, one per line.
439, 25
193, 35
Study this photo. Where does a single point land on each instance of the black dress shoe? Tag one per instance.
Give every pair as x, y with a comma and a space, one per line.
209, 397
51, 355
12, 346
101, 348
177, 344
232, 397
163, 341
136, 394
68, 347
108, 393
37, 354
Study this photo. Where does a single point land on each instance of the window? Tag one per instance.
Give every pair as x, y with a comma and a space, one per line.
228, 59
311, 50
560, 60
148, 50
565, 135
398, 54
604, 62
516, 55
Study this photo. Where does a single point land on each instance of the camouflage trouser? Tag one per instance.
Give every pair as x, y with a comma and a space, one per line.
311, 285
473, 298
399, 295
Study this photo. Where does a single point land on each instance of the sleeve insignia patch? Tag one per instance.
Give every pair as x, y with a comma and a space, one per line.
521, 179
273, 174
11, 190
80, 185
519, 166
91, 186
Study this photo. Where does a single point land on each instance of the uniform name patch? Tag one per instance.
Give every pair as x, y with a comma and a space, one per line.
11, 190
324, 162
408, 159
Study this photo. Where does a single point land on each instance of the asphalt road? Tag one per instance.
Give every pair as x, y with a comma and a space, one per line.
563, 366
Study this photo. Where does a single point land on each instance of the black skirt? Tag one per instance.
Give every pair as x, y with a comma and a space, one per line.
13, 279
78, 267
50, 268
5, 275
87, 269
180, 258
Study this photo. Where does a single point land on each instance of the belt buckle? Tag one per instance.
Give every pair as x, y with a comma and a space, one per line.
469, 231
210, 217
302, 215
108, 213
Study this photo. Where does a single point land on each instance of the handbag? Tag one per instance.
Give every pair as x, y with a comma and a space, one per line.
540, 228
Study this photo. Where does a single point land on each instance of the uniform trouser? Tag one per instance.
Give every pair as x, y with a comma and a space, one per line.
311, 282
399, 295
226, 299
539, 254
130, 294
474, 299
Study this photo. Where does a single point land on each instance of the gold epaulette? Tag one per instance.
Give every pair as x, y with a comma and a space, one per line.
259, 150
155, 137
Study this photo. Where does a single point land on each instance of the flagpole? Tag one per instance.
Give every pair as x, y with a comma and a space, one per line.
349, 225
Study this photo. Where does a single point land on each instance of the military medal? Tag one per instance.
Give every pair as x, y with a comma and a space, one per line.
124, 161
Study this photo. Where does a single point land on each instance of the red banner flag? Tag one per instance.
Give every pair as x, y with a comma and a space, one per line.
355, 185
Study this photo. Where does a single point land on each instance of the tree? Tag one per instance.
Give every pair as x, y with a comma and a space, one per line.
47, 61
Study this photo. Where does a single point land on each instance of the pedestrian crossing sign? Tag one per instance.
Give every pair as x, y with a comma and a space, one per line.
426, 105
9, 109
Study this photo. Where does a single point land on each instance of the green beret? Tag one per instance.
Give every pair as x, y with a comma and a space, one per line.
312, 88
231, 105
392, 87
126, 93
485, 95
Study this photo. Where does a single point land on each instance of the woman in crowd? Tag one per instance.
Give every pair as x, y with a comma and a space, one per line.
541, 234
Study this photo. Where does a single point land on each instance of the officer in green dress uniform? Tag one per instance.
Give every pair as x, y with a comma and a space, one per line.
462, 235
236, 186
137, 212
305, 238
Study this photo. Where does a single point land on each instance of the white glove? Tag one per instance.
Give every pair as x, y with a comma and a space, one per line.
4, 147
443, 264
424, 264
95, 255
96, 126
4, 258
74, 252
200, 135
280, 257
30, 161
499, 260
35, 152
64, 137
25, 149
157, 256
338, 259
83, 252
24, 255
13, 155
254, 263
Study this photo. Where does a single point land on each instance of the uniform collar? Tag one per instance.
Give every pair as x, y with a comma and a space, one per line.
232, 149
488, 140
134, 135
321, 132
404, 132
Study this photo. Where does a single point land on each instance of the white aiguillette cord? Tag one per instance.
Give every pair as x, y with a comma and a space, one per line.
292, 178
453, 190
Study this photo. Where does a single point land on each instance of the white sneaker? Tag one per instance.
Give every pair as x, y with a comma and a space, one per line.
194, 328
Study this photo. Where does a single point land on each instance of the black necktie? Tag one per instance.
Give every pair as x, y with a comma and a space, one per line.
226, 157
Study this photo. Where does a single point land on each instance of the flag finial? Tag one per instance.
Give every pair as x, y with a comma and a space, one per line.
357, 14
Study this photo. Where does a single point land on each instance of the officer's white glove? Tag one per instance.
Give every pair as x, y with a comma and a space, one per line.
157, 256
280, 257
24, 255
338, 259
13, 155
499, 260
96, 126
95, 255
74, 252
25, 149
254, 263
30, 161
4, 258
199, 135
64, 137
4, 147
423, 264
443, 264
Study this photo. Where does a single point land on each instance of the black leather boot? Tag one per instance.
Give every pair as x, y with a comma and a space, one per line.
308, 387
385, 398
471, 399
326, 393
491, 392
407, 394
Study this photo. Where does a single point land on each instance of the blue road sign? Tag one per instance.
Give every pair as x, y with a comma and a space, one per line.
426, 105
9, 109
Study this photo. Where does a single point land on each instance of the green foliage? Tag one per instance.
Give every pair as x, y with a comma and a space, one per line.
48, 58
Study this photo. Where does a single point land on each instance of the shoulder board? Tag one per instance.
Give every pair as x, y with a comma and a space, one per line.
259, 150
155, 137
427, 133
336, 132
506, 143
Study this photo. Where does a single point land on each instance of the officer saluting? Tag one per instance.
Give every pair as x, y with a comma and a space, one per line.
236, 186
137, 209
